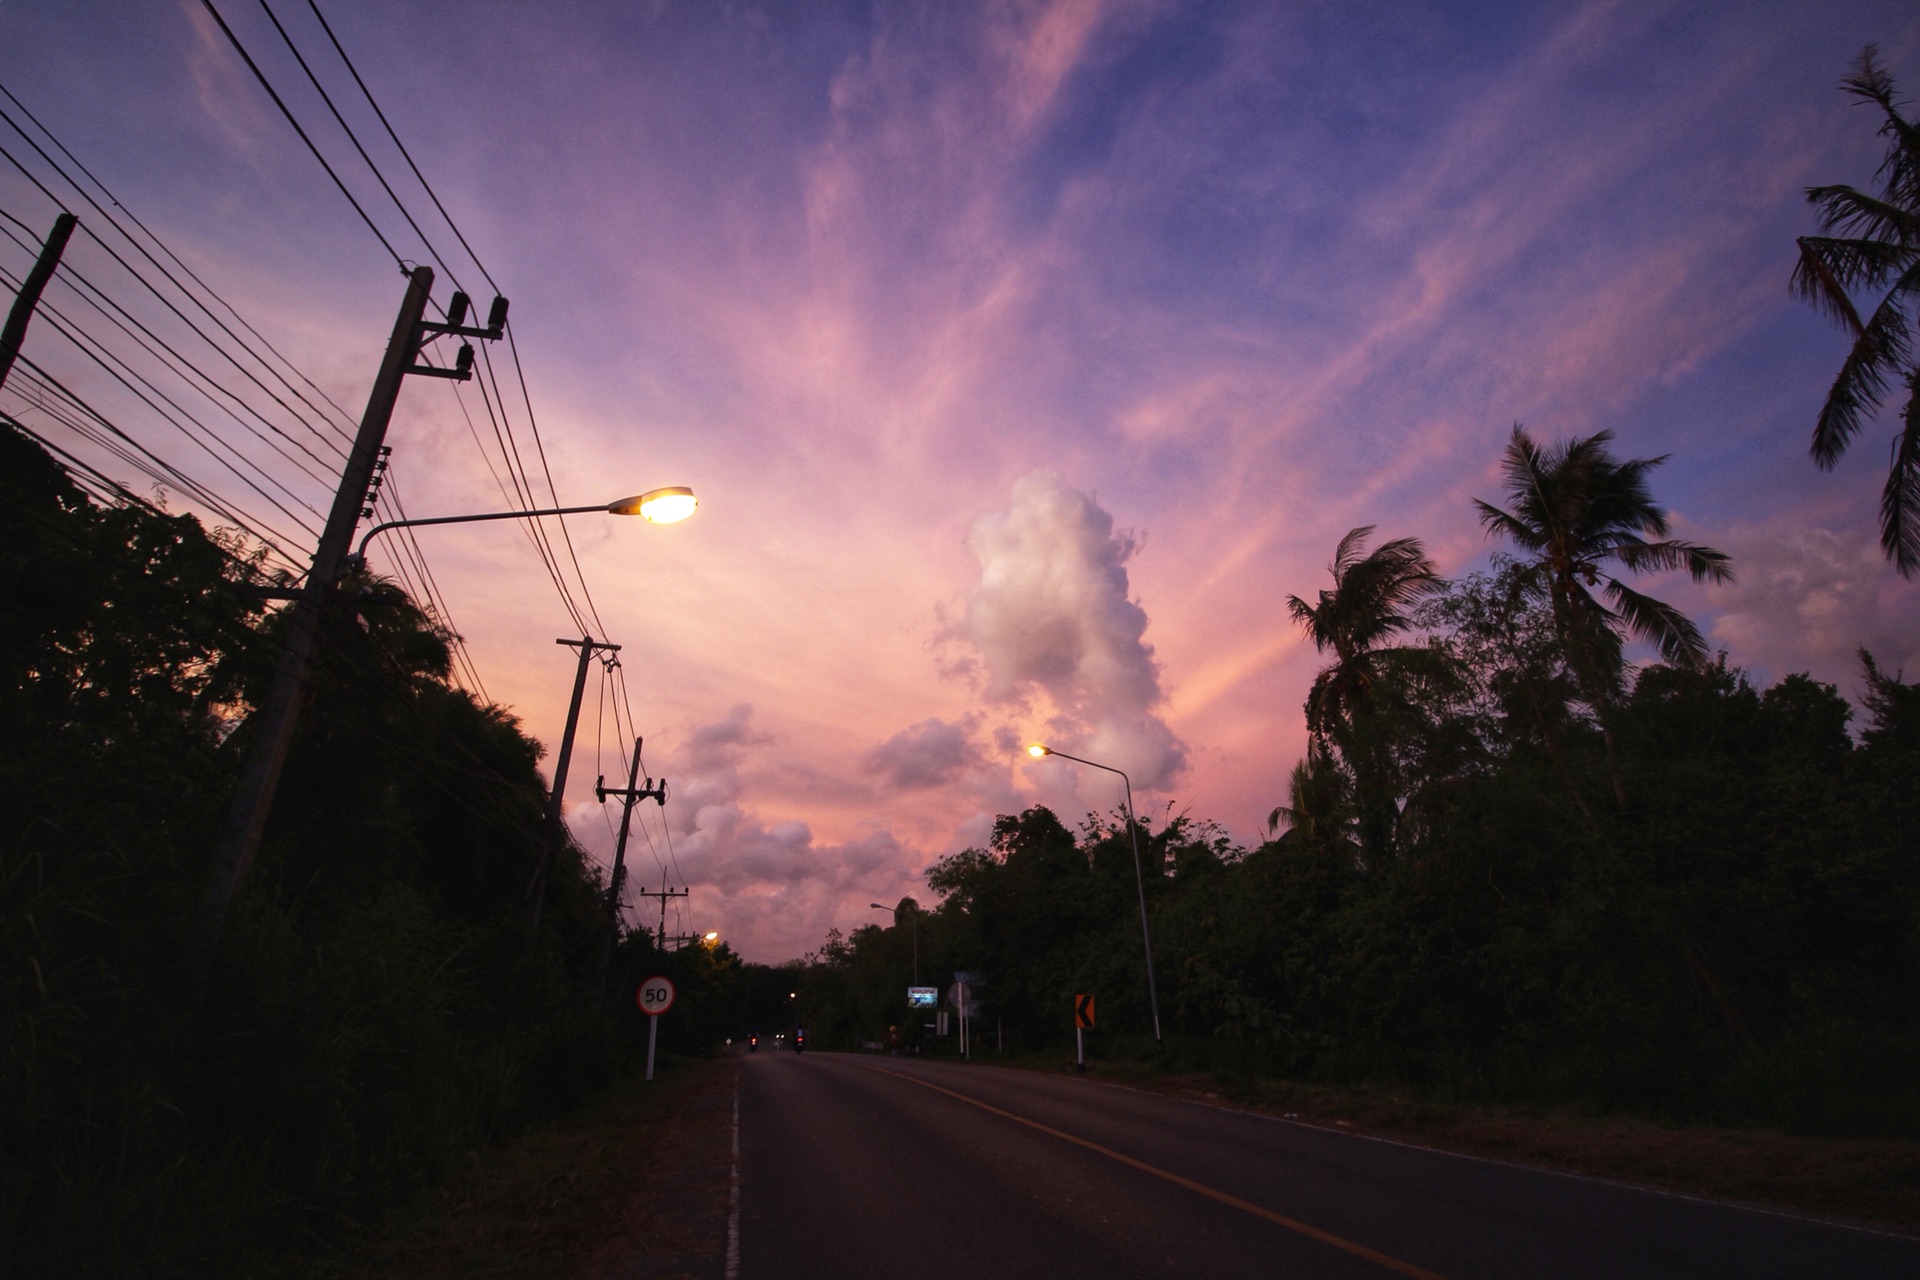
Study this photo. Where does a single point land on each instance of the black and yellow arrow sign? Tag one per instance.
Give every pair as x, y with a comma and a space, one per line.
1083, 1012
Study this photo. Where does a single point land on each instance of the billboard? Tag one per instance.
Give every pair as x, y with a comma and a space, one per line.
922, 997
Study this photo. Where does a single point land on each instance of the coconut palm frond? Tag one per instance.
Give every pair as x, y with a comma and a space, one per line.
1860, 220
1818, 280
1900, 500
1348, 553
1881, 240
1516, 530
1659, 623
1701, 563
1878, 352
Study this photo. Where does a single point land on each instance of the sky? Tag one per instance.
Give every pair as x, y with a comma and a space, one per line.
1025, 358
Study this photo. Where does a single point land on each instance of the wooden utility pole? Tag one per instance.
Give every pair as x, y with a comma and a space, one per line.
629, 798
28, 298
554, 834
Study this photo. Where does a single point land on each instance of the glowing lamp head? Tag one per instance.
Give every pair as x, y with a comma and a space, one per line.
714, 936
658, 506
1036, 751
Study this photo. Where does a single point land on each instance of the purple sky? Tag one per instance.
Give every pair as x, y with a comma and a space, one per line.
1025, 357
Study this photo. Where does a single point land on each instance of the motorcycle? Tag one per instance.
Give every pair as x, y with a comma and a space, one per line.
799, 1042
753, 1043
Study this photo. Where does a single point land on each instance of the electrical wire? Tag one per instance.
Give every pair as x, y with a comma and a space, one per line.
344, 433
413, 566
354, 139
109, 219
114, 367
151, 460
259, 75
407, 155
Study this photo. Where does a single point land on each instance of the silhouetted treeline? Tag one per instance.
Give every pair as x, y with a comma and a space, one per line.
376, 1012
1511, 866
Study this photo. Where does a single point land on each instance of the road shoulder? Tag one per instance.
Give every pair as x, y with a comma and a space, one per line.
632, 1184
1860, 1181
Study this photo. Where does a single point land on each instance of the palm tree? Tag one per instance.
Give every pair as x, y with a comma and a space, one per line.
1318, 811
1576, 509
1369, 605
1877, 247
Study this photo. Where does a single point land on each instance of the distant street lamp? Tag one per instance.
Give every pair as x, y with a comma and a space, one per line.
1038, 751
669, 505
916, 935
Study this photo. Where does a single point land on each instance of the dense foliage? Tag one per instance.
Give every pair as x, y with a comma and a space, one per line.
1513, 866
377, 1010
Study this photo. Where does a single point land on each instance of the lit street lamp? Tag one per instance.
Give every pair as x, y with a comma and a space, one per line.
1038, 751
667, 505
915, 924
656, 506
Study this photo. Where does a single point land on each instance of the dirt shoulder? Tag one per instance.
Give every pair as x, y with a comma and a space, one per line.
633, 1184
1863, 1181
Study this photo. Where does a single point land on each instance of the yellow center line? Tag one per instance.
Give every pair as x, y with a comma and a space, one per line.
1279, 1219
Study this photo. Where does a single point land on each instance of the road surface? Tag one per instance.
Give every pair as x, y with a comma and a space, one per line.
871, 1166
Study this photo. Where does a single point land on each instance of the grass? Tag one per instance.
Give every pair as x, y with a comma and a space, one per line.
632, 1183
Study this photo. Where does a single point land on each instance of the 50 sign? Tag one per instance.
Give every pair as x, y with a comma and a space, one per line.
656, 996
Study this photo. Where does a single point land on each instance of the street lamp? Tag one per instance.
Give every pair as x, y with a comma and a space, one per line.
668, 505
1038, 752
916, 935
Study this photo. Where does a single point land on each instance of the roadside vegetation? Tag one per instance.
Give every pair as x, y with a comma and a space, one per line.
1512, 868
377, 1011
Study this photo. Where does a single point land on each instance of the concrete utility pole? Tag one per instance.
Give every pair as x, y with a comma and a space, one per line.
629, 798
554, 834
29, 296
271, 727
664, 896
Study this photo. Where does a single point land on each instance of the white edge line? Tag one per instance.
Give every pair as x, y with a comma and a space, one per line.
1843, 1224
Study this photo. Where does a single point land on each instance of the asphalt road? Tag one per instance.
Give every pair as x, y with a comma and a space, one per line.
854, 1167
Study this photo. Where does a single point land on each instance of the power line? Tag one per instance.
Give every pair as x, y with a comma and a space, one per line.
261, 77
108, 362
346, 432
126, 448
91, 294
109, 219
351, 137
405, 154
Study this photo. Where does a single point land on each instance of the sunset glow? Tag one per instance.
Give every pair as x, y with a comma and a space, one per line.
1026, 357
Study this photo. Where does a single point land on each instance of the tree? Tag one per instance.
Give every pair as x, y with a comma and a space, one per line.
1575, 510
1368, 606
1873, 242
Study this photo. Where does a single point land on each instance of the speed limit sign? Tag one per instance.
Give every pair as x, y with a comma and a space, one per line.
656, 996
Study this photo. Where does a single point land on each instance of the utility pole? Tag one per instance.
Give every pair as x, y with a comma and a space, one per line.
554, 834
29, 296
271, 727
629, 798
664, 896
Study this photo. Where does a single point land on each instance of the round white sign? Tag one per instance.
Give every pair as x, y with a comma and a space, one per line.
656, 996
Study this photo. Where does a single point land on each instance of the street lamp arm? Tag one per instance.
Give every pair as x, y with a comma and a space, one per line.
1052, 751
360, 555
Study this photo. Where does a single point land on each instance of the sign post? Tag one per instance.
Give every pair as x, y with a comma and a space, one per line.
1082, 1022
655, 998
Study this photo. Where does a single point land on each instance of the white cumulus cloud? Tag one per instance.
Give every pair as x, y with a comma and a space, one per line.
1051, 614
